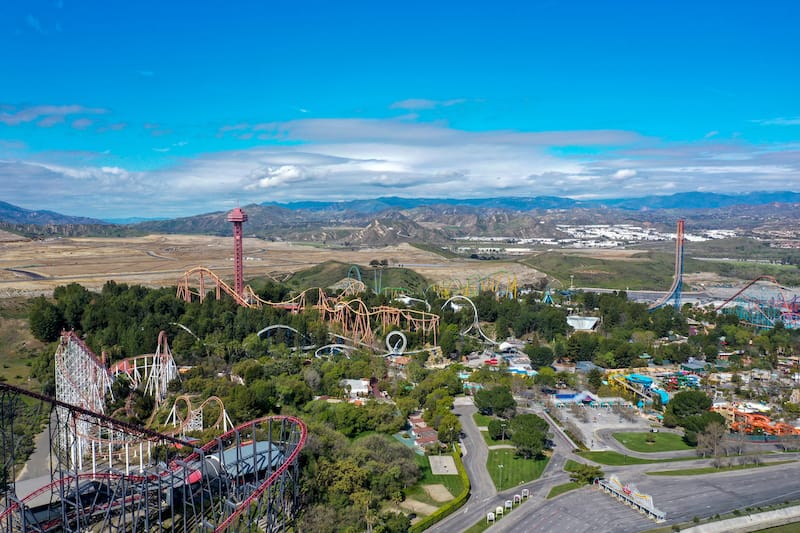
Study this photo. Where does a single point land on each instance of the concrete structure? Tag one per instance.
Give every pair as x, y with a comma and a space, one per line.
356, 388
583, 323
238, 217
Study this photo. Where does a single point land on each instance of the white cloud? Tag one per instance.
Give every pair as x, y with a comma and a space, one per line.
81, 123
424, 103
338, 159
712, 133
779, 121
623, 174
47, 115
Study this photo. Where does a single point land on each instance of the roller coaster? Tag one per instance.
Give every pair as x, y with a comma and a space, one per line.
762, 303
353, 317
476, 324
674, 292
110, 475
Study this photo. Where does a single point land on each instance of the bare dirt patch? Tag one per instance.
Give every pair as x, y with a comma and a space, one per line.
438, 492
417, 506
31, 268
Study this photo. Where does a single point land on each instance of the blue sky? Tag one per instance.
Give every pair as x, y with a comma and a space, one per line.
112, 109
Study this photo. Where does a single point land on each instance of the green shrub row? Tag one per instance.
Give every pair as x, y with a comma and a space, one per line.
451, 507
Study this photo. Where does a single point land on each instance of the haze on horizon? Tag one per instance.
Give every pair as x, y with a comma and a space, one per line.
152, 109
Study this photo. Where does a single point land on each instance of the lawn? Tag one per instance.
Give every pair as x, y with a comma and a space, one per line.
618, 459
711, 469
482, 420
508, 470
18, 350
492, 442
453, 483
561, 489
662, 442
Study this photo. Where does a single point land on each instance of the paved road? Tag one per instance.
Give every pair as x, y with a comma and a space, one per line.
682, 497
483, 489
588, 510
484, 496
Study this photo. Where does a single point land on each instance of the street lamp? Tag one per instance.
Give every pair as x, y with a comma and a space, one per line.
503, 425
501, 476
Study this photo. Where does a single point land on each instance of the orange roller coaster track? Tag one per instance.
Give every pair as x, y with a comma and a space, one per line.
353, 316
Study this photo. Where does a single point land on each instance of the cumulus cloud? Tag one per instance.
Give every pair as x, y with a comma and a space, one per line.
339, 159
623, 174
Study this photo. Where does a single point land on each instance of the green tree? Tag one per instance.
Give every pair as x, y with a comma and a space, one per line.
546, 377
529, 434
45, 320
449, 428
594, 378
497, 429
496, 400
585, 474
539, 355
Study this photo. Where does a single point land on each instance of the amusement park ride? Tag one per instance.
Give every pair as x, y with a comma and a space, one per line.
109, 475
762, 303
674, 292
743, 420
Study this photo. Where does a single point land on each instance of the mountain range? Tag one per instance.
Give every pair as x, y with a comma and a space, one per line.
433, 220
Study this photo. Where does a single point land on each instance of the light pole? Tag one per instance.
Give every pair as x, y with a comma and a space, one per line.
501, 476
503, 425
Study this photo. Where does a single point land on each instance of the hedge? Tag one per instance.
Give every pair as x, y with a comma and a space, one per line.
451, 507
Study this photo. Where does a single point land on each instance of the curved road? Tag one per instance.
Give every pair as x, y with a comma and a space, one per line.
588, 510
476, 452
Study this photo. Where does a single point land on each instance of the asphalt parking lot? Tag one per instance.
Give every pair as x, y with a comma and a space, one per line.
602, 418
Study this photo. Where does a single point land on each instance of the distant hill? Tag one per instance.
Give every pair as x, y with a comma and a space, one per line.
689, 200
18, 215
392, 220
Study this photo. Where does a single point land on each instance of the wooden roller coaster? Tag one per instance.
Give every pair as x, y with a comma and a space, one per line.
353, 317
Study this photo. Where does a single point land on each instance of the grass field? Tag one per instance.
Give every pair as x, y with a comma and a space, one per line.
561, 489
664, 442
618, 459
508, 470
711, 469
417, 492
330, 272
18, 348
646, 270
482, 420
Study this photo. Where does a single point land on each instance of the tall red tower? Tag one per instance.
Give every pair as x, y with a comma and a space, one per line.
238, 217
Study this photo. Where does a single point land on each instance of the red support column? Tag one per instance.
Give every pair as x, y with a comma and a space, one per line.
238, 217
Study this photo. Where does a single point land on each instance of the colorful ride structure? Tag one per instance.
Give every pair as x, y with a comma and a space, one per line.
154, 370
743, 420
190, 418
501, 284
476, 324
643, 387
674, 292
112, 476
762, 303
630, 495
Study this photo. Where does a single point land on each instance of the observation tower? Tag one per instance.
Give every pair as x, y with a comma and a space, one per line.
238, 217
